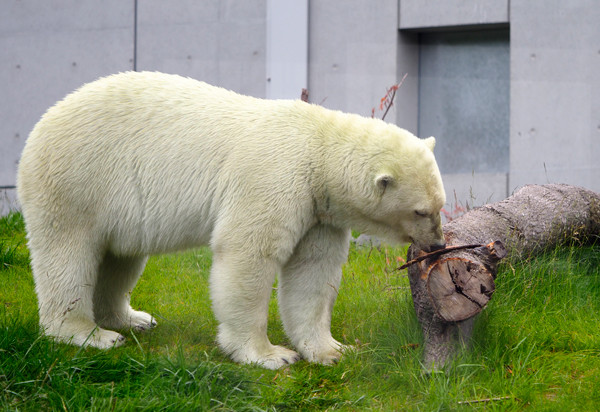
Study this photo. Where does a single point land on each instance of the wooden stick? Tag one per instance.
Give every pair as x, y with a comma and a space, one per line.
437, 253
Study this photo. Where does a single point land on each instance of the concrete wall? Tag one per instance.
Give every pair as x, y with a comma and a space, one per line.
468, 184
554, 133
221, 42
427, 15
50, 48
464, 101
555, 92
352, 53
47, 49
356, 49
287, 48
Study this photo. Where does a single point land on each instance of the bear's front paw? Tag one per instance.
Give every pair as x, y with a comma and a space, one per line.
328, 353
268, 356
279, 357
105, 339
141, 320
254, 348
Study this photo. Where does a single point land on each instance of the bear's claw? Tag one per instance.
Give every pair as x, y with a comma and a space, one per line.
285, 359
277, 357
134, 319
119, 339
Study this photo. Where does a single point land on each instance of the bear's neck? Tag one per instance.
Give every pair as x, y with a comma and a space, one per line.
339, 162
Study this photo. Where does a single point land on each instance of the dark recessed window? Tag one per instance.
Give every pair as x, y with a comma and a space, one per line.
464, 99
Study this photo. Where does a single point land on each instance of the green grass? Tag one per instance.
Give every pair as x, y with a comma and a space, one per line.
536, 346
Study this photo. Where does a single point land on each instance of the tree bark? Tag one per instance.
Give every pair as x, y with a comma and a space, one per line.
450, 289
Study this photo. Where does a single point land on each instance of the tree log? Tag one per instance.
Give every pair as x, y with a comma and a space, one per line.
450, 289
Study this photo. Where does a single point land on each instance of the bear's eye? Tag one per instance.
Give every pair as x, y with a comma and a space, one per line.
420, 213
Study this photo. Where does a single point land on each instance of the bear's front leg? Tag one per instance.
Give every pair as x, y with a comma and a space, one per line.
307, 291
240, 291
117, 276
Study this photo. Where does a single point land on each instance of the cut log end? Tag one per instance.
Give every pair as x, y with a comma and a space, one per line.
459, 288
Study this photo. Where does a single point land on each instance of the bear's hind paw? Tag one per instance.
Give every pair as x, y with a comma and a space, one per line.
97, 338
132, 319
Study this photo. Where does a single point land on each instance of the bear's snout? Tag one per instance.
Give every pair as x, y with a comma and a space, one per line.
433, 247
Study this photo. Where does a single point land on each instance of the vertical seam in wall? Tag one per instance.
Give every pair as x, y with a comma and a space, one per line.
308, 48
419, 84
510, 52
135, 21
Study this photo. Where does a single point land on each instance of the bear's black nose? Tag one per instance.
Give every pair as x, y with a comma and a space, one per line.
435, 246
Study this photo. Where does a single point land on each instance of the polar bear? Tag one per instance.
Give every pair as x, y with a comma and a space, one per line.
136, 164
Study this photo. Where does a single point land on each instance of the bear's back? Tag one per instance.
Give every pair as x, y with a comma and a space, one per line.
140, 150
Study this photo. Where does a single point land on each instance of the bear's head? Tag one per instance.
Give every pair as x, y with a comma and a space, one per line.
391, 187
410, 196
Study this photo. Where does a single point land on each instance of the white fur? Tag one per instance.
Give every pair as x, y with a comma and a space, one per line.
142, 163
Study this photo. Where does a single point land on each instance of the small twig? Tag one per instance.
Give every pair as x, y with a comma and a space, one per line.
410, 346
48, 373
395, 288
437, 253
391, 100
502, 398
391, 103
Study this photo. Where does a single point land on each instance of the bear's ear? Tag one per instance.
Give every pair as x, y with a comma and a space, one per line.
383, 181
430, 142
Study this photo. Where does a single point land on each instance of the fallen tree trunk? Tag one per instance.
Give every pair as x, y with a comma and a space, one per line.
450, 289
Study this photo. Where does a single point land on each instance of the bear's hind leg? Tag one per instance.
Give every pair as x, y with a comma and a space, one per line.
65, 275
116, 279
307, 291
240, 292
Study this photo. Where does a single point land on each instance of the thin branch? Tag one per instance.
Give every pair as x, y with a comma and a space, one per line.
437, 253
502, 398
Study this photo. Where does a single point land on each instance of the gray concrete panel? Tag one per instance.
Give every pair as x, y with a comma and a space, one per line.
287, 48
407, 103
437, 14
48, 49
555, 109
220, 42
352, 54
